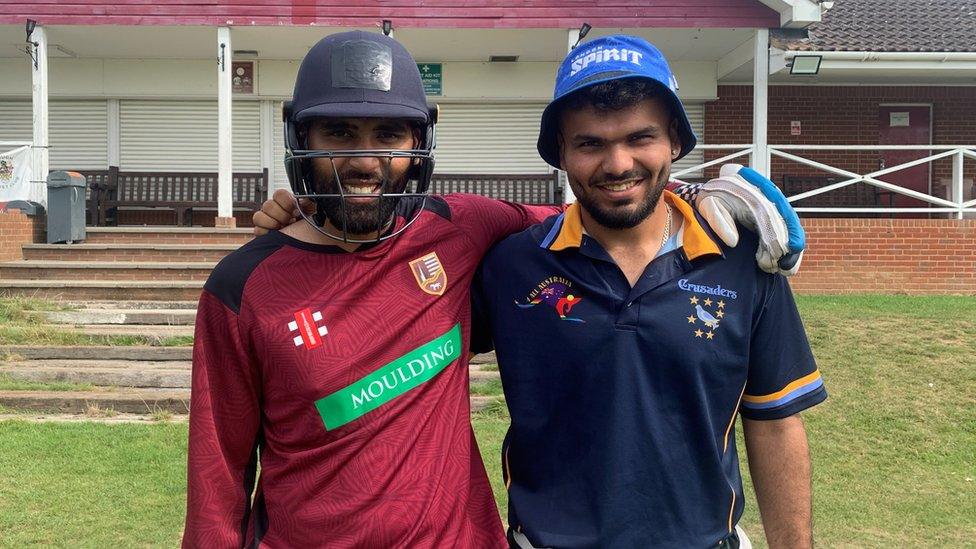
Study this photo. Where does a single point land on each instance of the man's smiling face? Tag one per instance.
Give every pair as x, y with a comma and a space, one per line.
618, 160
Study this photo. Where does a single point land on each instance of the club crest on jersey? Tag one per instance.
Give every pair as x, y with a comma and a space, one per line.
429, 273
706, 316
556, 292
310, 334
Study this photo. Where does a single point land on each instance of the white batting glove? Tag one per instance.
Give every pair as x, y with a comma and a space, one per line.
744, 195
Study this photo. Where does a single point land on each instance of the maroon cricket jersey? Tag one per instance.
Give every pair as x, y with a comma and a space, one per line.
347, 374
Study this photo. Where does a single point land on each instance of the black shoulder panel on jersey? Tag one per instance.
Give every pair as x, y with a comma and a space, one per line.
407, 207
230, 275
439, 206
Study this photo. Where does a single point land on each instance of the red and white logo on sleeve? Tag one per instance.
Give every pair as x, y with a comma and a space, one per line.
309, 332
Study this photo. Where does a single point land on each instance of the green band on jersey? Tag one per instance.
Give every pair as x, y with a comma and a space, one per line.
388, 382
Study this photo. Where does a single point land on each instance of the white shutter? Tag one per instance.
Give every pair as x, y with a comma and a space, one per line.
181, 136
278, 177
489, 138
247, 136
78, 131
696, 115
16, 121
79, 135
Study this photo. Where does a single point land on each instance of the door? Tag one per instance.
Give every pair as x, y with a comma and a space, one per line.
905, 125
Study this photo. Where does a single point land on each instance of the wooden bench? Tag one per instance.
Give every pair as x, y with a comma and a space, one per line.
521, 188
183, 193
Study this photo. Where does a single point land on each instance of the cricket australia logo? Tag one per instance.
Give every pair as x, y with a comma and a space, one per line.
556, 292
430, 274
707, 313
309, 332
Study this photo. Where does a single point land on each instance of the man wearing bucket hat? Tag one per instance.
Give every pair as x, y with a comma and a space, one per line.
629, 338
357, 251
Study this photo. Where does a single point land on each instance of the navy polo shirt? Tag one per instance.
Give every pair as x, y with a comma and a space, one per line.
623, 399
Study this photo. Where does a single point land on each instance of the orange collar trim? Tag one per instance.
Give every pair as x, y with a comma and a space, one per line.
696, 242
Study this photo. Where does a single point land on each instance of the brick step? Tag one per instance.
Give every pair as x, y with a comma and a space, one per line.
104, 270
166, 235
128, 252
169, 317
129, 401
103, 373
150, 332
96, 352
79, 290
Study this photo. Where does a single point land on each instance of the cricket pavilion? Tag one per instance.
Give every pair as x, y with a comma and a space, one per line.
171, 110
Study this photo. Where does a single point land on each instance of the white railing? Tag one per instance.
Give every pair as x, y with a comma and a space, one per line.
955, 204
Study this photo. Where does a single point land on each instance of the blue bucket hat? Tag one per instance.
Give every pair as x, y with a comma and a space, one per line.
611, 58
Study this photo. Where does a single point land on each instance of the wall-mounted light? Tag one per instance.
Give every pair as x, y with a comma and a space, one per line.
582, 34
387, 27
222, 59
31, 45
806, 65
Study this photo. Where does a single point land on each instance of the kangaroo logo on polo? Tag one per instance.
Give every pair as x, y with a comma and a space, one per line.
429, 274
557, 293
390, 381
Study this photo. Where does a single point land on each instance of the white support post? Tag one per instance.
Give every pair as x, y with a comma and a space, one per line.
957, 194
225, 168
114, 132
39, 88
267, 142
572, 36
760, 102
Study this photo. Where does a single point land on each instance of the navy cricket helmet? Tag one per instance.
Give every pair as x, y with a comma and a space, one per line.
358, 74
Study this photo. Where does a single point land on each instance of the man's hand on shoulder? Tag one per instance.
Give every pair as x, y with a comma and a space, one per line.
744, 195
279, 211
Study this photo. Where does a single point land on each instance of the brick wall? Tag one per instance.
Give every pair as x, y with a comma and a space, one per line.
911, 256
17, 229
839, 115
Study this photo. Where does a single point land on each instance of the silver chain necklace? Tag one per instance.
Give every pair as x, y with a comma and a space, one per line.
667, 226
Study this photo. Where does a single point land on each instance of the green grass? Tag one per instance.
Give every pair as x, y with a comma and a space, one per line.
8, 383
492, 387
18, 327
894, 447
91, 485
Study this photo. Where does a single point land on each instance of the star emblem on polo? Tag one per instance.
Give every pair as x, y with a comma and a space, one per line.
310, 334
707, 313
429, 273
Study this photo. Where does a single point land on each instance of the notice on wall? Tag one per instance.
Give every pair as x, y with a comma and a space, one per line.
896, 119
432, 75
795, 127
243, 77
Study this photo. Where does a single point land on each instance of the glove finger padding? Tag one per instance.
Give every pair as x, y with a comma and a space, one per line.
719, 219
748, 206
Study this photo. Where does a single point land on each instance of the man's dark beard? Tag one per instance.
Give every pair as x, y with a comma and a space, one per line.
619, 219
360, 219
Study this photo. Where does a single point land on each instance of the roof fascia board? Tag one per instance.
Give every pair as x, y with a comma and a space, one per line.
795, 13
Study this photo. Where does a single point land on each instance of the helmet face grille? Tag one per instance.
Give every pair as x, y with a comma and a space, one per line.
298, 166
